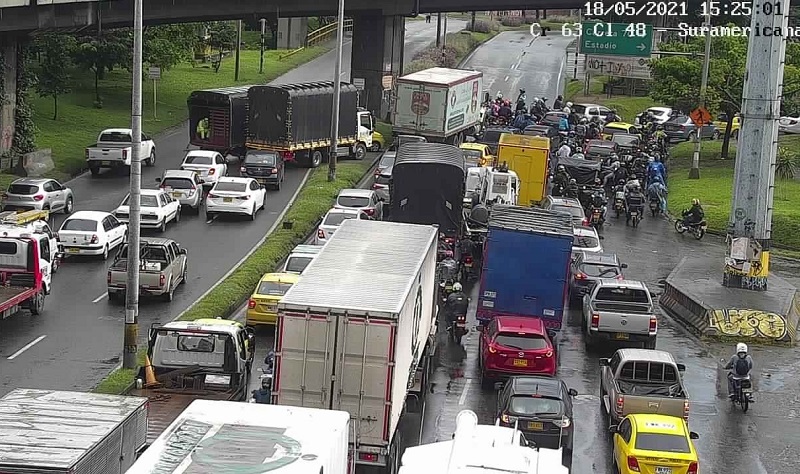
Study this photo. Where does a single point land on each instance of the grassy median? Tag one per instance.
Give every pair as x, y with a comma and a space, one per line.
227, 296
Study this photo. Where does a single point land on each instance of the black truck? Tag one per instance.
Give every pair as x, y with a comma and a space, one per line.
427, 186
218, 119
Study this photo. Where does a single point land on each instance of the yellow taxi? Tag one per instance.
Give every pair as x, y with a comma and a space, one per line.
378, 141
477, 154
654, 444
722, 122
619, 127
262, 308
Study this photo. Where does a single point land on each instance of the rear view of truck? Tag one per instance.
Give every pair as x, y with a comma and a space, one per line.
526, 265
357, 331
21, 281
529, 157
218, 119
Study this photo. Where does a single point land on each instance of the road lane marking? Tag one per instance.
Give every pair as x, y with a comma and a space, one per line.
100, 298
211, 220
506, 79
26, 347
464, 393
558, 80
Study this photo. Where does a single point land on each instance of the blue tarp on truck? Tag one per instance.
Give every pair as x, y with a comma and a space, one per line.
526, 265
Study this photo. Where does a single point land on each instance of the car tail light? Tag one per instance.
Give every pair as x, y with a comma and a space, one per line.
596, 320
370, 211
585, 221
124, 154
562, 423
212, 196
320, 234
161, 279
633, 464
242, 170
692, 468
653, 324
375, 185
580, 276
38, 197
492, 350
4, 195
243, 198
87, 154
548, 354
212, 171
468, 260
95, 239
619, 277
686, 410
251, 303
369, 457
462, 318
108, 277
620, 405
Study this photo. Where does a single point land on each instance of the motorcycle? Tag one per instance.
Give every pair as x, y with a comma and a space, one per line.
469, 271
445, 289
698, 230
742, 392
458, 328
597, 217
619, 202
655, 207
558, 190
634, 217
264, 394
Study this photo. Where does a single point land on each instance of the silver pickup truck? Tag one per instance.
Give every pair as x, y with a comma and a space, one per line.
162, 269
620, 311
114, 150
636, 381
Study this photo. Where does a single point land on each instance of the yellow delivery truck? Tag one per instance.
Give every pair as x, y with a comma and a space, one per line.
529, 157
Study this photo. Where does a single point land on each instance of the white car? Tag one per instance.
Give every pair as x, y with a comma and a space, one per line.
236, 196
586, 240
789, 125
333, 219
660, 115
158, 209
91, 233
209, 165
366, 200
185, 186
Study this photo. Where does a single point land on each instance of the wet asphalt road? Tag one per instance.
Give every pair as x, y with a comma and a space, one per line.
764, 440
79, 336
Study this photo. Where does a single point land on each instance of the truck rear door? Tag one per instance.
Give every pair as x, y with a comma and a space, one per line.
622, 310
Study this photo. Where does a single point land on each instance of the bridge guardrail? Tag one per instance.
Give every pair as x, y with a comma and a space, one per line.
319, 36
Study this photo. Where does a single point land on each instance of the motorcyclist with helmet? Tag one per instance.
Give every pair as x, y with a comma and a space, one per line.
264, 394
657, 191
572, 190
661, 138
505, 111
612, 116
564, 151
738, 367
523, 121
562, 177
693, 215
521, 101
456, 304
634, 201
558, 103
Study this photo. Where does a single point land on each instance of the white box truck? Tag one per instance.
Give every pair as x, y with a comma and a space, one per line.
54, 432
356, 333
213, 436
440, 104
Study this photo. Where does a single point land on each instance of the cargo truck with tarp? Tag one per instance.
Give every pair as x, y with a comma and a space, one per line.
427, 186
364, 352
440, 104
526, 262
218, 119
295, 120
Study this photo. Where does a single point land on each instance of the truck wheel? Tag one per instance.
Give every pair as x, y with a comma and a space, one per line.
315, 158
359, 151
95, 170
37, 305
151, 160
170, 294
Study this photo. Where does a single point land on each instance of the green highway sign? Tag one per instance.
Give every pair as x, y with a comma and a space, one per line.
616, 39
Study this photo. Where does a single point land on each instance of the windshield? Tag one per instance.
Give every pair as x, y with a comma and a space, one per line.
203, 343
25, 189
80, 225
353, 201
266, 159
662, 442
552, 118
625, 141
523, 342
230, 186
387, 160
623, 295
273, 288
600, 271
198, 160
493, 136
177, 183
599, 151
297, 264
500, 185
531, 406
578, 109
585, 241
149, 253
336, 218
146, 200
574, 211
115, 137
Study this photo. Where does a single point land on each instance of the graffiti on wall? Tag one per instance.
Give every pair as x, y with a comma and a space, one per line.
749, 323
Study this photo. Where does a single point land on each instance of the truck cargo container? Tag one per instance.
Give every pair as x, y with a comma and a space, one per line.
440, 104
529, 157
23, 282
218, 119
365, 352
427, 186
220, 437
525, 265
53, 432
295, 120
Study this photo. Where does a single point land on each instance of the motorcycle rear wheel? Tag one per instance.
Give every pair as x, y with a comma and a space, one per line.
698, 233
744, 402
679, 226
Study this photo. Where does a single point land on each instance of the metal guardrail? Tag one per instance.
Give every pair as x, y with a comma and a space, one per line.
319, 36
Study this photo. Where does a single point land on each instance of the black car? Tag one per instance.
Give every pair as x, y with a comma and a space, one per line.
491, 136
540, 407
553, 119
266, 167
546, 131
589, 267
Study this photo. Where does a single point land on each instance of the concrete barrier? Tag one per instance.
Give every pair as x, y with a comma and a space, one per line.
36, 163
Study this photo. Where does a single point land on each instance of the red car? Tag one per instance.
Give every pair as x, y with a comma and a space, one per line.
514, 345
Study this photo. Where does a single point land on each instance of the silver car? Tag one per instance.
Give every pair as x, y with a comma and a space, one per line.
184, 186
38, 194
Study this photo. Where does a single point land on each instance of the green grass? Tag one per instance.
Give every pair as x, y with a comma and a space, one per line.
118, 381
714, 189
79, 122
458, 46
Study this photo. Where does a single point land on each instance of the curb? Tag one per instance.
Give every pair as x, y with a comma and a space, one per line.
472, 52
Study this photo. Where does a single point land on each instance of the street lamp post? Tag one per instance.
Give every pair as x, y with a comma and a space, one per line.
337, 89
694, 172
263, 22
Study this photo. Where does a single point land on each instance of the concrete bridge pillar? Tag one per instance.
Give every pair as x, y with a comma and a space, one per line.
377, 52
8, 103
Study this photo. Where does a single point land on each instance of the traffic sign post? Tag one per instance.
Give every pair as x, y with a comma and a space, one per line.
616, 39
155, 74
700, 117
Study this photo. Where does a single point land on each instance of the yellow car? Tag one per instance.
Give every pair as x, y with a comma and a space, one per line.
477, 154
378, 142
654, 444
722, 122
619, 127
263, 305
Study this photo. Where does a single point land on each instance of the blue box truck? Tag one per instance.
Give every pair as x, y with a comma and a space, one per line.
526, 264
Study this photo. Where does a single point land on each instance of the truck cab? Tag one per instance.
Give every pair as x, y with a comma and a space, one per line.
22, 279
35, 224
501, 186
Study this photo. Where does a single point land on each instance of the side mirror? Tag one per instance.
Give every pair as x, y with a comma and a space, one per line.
653, 295
693, 435
613, 429
681, 367
201, 181
499, 386
623, 265
158, 180
572, 392
479, 328
604, 362
182, 251
601, 237
551, 333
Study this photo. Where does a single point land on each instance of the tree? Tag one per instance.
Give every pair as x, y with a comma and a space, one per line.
101, 54
166, 46
52, 74
222, 36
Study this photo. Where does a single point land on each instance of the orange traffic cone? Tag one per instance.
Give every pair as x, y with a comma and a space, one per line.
149, 376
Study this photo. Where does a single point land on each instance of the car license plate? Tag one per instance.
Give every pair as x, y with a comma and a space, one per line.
663, 470
536, 426
262, 180
468, 265
622, 335
176, 195
227, 199
272, 307
105, 163
520, 363
73, 250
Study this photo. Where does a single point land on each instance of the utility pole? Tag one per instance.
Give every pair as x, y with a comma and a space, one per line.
438, 30
444, 32
472, 22
337, 90
694, 172
754, 170
238, 49
134, 203
263, 22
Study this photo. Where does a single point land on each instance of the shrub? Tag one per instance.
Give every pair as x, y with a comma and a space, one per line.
419, 65
482, 26
511, 21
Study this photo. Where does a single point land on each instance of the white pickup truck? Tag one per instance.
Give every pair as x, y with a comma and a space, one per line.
114, 150
619, 311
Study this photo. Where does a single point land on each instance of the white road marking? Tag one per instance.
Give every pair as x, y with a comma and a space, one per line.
26, 347
100, 298
506, 79
463, 398
558, 80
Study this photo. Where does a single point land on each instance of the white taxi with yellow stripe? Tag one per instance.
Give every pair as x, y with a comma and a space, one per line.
654, 444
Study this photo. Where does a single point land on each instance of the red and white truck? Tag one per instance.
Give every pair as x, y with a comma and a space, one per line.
357, 333
22, 276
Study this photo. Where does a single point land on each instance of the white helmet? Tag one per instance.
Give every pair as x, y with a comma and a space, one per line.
569, 104
457, 287
741, 347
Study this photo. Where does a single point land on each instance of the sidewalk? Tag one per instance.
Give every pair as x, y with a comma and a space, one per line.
569, 68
